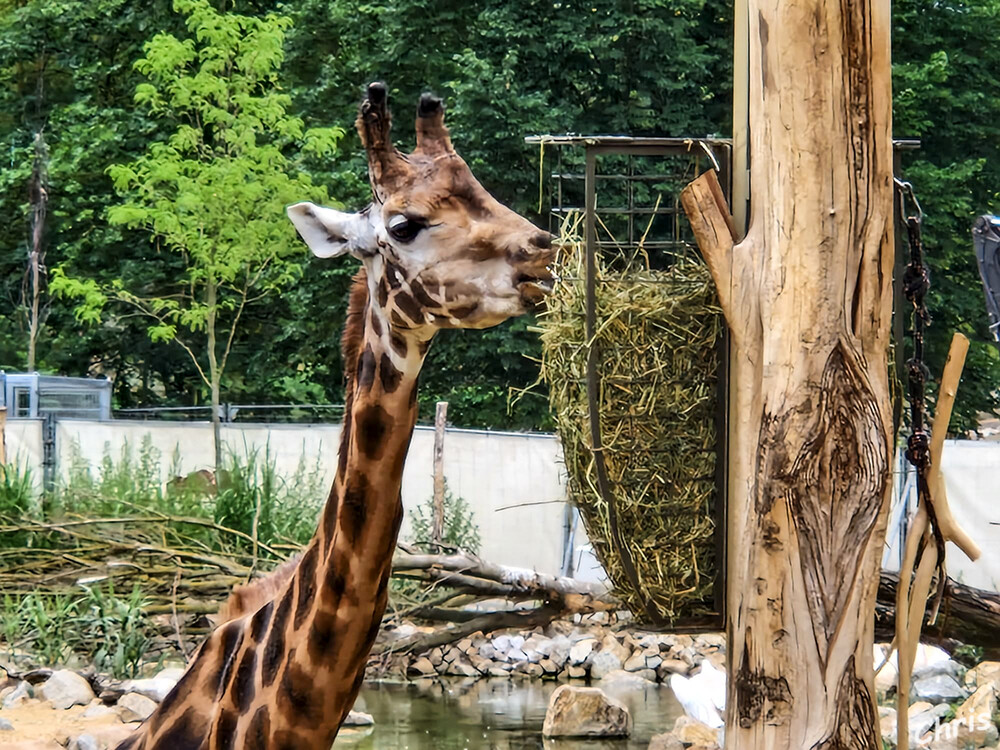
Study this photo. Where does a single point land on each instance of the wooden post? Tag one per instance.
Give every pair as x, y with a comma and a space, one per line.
807, 296
440, 420
3, 435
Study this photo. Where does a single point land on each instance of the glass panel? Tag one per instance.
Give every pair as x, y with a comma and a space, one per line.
22, 402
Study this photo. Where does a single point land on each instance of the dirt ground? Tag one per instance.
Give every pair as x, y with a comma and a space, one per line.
37, 725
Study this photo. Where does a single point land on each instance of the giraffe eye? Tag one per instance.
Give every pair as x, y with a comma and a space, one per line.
405, 228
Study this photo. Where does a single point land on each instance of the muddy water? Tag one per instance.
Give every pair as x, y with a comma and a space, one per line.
491, 715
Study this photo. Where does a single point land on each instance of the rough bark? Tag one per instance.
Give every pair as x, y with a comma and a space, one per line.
807, 298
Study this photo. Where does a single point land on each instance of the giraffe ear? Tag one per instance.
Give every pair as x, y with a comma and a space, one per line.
330, 233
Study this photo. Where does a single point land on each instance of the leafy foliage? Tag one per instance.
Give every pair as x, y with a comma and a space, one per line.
460, 528
213, 192
944, 93
505, 70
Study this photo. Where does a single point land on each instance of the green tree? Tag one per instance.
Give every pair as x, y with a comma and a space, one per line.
944, 91
213, 192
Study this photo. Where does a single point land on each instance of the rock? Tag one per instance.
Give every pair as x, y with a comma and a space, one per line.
983, 673
939, 688
498, 671
948, 667
887, 724
548, 666
635, 662
597, 618
135, 707
462, 668
516, 654
559, 648
487, 651
421, 667
435, 657
918, 708
533, 670
359, 719
585, 712
620, 679
97, 710
602, 663
581, 651
667, 741
973, 724
921, 722
576, 673
610, 644
6, 726
673, 666
66, 688
84, 742
154, 688
693, 732
109, 736
18, 695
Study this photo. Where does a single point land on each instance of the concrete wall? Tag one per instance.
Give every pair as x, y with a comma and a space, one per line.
23, 440
514, 483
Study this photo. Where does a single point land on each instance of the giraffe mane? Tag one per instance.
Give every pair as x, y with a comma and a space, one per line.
249, 597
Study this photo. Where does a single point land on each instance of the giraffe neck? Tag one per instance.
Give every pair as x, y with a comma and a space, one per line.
286, 675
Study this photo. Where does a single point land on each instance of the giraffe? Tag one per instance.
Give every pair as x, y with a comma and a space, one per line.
284, 667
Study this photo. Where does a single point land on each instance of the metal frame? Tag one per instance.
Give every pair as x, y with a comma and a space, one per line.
718, 151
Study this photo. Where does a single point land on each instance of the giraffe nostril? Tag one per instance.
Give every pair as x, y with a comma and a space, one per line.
542, 240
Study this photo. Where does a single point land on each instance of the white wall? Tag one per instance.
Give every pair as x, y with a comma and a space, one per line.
23, 441
514, 483
972, 481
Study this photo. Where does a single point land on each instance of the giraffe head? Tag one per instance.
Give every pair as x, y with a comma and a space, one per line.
439, 251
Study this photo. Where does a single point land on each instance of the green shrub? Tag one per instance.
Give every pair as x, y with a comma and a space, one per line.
460, 527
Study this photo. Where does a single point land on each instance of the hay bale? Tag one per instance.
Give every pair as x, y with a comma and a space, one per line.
657, 336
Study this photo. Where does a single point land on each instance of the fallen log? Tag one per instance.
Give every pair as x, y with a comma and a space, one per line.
967, 616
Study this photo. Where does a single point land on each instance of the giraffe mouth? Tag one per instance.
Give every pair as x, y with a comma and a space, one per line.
535, 288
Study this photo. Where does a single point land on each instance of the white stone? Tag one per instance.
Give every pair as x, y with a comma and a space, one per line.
619, 679
581, 651
693, 732
66, 688
84, 742
359, 719
18, 695
604, 662
154, 688
938, 688
6, 726
585, 712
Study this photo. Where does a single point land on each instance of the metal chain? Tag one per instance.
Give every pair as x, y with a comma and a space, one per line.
916, 283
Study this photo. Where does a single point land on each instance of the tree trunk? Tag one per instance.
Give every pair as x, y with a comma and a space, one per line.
807, 296
39, 197
214, 374
967, 616
440, 422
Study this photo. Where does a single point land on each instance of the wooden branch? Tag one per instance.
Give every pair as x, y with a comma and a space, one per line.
517, 580
968, 616
486, 623
706, 209
950, 529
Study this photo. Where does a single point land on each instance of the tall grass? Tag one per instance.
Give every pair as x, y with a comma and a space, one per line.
241, 513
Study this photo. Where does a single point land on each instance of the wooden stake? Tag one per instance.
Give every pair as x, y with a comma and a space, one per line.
440, 420
3, 435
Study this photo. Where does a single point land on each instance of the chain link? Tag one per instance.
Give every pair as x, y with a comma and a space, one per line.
916, 283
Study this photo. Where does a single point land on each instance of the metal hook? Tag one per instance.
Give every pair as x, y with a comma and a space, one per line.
906, 190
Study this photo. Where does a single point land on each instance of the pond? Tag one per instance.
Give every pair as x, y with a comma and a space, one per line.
491, 715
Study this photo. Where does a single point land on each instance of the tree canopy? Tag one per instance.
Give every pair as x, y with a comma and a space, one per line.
69, 68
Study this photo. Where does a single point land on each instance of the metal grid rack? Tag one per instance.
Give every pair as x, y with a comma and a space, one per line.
628, 192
